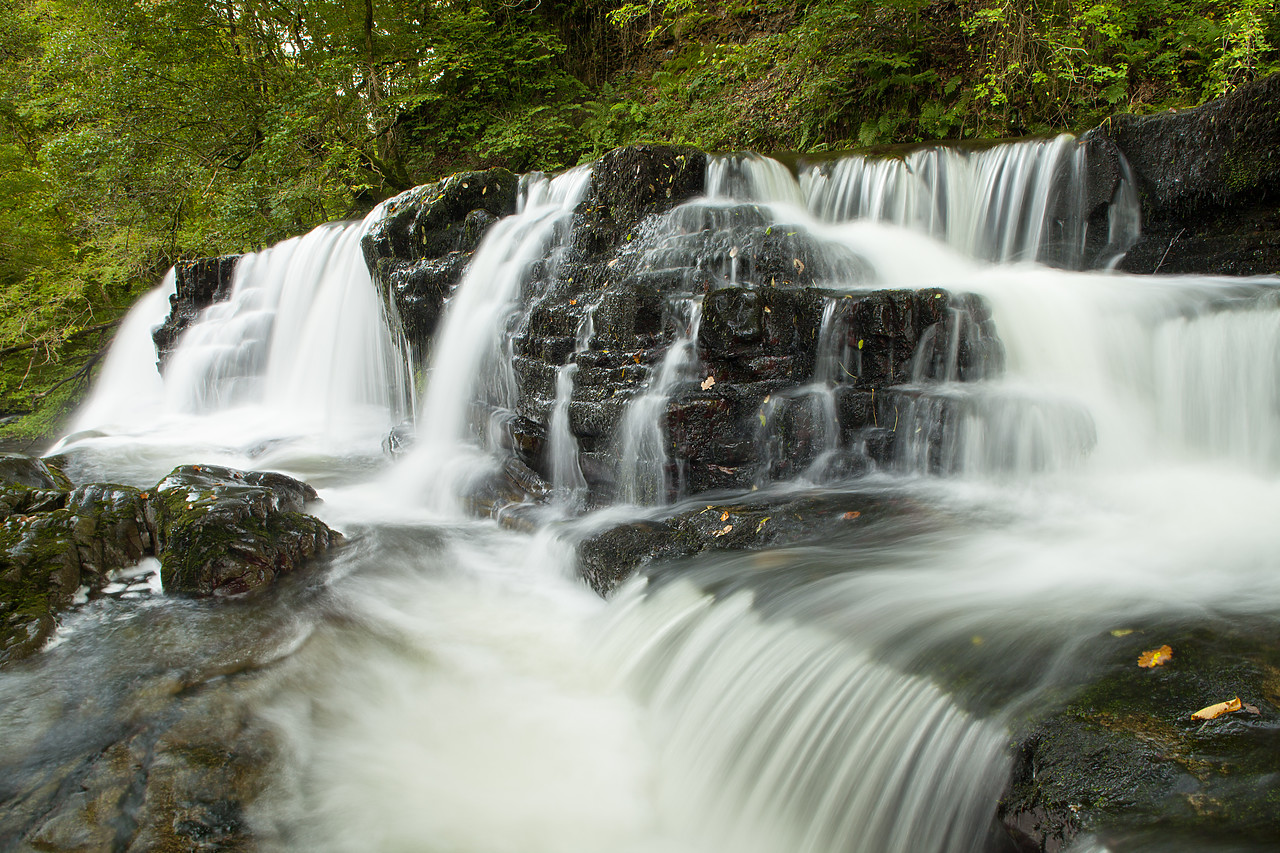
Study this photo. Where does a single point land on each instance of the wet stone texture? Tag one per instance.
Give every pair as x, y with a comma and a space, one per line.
418, 251
216, 532
1209, 182
198, 284
1125, 760
644, 257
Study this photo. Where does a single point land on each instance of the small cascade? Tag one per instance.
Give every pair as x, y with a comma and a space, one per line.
1020, 201
642, 467
567, 481
1216, 381
752, 178
300, 348
129, 381
471, 356
777, 736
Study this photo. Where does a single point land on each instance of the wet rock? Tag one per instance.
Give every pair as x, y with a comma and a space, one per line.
48, 557
418, 251
226, 532
198, 284
752, 522
17, 469
631, 183
1124, 760
1209, 182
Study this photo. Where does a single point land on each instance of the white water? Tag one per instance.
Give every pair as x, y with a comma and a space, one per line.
456, 690
471, 361
299, 360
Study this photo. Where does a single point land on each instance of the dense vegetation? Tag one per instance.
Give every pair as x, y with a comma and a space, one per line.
137, 132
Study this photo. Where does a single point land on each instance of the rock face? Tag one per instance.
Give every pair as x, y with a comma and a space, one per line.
1126, 760
198, 284
1209, 181
215, 531
418, 250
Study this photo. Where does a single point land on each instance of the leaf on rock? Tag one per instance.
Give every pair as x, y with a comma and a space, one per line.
1215, 711
708, 382
723, 530
724, 516
852, 514
762, 523
1155, 657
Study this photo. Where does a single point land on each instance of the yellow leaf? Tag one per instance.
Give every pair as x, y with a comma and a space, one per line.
799, 264
1155, 657
761, 525
1218, 710
1122, 632
708, 382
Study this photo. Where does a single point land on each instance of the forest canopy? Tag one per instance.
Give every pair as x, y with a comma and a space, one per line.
134, 133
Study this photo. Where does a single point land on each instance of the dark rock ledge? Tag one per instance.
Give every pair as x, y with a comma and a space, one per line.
215, 531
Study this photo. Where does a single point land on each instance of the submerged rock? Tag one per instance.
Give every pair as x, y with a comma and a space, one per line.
1125, 760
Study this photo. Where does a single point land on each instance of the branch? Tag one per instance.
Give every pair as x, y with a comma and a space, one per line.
10, 350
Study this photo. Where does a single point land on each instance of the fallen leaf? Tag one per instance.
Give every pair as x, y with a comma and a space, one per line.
1122, 632
763, 420
708, 382
761, 525
860, 343
723, 531
636, 358
1155, 657
852, 514
724, 516
1251, 709
613, 263
573, 302
767, 310
1214, 711
799, 264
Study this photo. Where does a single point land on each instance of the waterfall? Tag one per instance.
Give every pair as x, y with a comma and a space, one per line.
1015, 202
936, 514
300, 348
471, 360
642, 474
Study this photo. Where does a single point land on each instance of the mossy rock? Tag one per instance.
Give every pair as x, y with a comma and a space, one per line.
47, 557
226, 532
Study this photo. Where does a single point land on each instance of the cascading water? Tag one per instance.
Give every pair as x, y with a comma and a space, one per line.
300, 350
1099, 451
472, 361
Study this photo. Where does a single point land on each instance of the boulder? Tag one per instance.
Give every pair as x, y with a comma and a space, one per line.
226, 532
215, 531
1124, 760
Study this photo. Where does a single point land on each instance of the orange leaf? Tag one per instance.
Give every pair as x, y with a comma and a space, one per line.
848, 516
1214, 711
724, 516
573, 302
708, 382
1155, 657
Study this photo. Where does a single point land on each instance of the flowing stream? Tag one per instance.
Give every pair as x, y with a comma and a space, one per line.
450, 685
